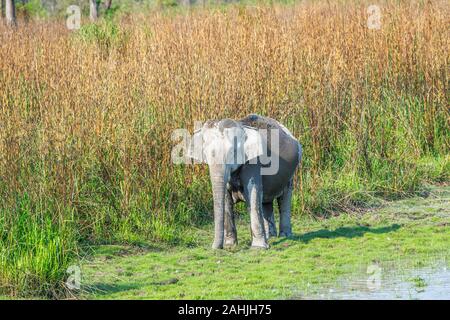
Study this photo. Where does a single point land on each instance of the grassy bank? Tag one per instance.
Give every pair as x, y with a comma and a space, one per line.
86, 119
399, 236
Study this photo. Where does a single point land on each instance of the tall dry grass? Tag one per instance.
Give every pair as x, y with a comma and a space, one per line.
86, 117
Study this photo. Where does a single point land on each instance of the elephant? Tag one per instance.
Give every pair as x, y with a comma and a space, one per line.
245, 165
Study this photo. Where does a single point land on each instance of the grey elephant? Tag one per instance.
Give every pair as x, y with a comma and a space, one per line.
253, 160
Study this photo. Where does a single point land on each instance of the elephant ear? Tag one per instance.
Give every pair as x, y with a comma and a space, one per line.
253, 145
195, 148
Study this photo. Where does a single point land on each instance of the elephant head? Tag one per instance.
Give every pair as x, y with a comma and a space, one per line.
224, 145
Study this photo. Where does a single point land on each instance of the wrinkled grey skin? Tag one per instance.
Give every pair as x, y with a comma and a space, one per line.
232, 183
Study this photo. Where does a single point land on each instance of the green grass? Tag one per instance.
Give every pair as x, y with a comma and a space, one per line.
34, 251
410, 233
419, 283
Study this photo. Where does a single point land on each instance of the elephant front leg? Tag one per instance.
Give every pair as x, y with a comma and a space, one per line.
253, 195
269, 220
284, 203
230, 226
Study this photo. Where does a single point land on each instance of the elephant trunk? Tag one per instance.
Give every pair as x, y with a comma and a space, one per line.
219, 178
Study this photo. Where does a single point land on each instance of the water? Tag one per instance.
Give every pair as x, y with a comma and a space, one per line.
422, 284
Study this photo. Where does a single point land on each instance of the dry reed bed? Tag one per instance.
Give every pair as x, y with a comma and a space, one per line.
88, 123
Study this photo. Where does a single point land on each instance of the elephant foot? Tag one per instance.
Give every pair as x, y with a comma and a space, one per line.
230, 242
217, 245
285, 234
259, 244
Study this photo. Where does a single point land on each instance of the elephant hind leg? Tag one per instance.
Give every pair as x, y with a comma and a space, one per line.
269, 220
284, 204
230, 238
